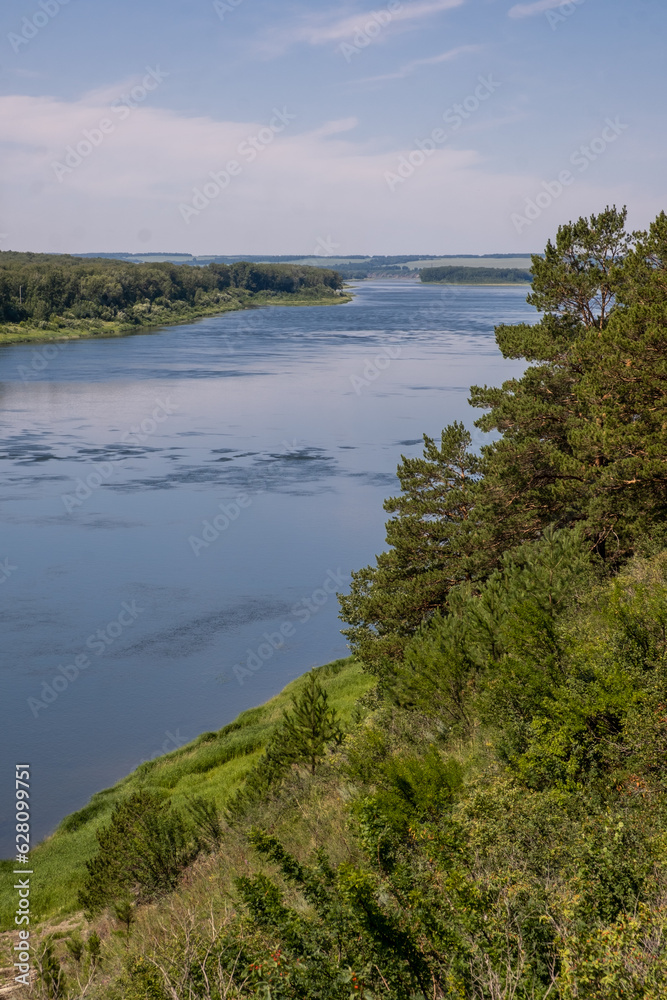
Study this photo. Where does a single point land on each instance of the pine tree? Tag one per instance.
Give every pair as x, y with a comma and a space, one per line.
142, 852
50, 972
625, 391
308, 728
584, 430
511, 614
430, 550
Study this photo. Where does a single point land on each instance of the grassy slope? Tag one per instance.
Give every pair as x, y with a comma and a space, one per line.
212, 766
77, 329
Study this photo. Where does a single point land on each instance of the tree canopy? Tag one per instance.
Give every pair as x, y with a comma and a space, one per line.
581, 437
38, 287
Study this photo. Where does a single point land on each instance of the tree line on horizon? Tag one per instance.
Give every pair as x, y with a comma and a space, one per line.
475, 275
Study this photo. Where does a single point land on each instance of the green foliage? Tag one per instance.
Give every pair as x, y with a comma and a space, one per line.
349, 941
143, 851
521, 853
94, 947
493, 823
38, 288
475, 275
206, 822
582, 430
582, 439
76, 947
123, 911
497, 642
307, 728
212, 769
302, 736
430, 550
50, 974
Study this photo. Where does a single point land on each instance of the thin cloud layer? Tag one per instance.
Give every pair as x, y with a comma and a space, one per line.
290, 187
409, 68
539, 7
334, 27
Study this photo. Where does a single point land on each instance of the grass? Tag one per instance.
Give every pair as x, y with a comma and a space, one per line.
213, 766
71, 329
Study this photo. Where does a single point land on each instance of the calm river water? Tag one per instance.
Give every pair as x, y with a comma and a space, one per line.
170, 500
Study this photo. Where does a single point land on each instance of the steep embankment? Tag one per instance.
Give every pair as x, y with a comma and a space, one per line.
212, 766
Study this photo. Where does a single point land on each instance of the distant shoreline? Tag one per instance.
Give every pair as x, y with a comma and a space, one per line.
17, 334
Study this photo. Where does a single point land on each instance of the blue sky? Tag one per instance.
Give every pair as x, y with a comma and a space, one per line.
406, 126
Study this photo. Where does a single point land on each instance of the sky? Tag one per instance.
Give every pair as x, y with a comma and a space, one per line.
252, 127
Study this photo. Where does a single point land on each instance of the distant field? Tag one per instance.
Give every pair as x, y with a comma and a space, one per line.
505, 262
376, 262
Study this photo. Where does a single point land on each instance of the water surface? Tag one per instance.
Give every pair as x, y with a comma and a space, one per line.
118, 455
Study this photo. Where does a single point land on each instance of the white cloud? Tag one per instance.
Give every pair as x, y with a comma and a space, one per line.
345, 27
530, 9
409, 68
301, 185
321, 29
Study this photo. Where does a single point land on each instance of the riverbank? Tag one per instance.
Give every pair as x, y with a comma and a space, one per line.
212, 766
158, 317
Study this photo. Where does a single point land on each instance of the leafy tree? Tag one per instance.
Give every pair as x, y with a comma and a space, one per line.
47, 288
510, 617
583, 439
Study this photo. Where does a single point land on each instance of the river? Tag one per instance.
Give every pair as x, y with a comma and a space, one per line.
171, 500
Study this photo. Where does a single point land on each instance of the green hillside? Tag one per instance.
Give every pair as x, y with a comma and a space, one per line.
214, 765
474, 807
